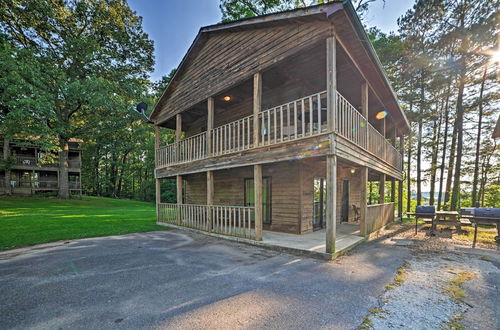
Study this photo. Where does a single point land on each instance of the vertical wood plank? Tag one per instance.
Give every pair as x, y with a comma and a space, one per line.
381, 189
331, 202
362, 205
331, 80
257, 105
179, 198
257, 178
210, 123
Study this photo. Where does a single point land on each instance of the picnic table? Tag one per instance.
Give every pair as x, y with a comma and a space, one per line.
447, 218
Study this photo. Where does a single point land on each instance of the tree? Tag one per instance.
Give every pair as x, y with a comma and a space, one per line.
91, 56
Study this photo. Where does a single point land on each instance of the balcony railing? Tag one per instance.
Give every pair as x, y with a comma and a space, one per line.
298, 119
227, 220
31, 161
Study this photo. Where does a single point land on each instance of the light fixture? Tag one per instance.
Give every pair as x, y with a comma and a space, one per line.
353, 170
227, 98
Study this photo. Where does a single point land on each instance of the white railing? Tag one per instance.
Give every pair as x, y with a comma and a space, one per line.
232, 137
233, 221
297, 119
300, 118
349, 123
227, 220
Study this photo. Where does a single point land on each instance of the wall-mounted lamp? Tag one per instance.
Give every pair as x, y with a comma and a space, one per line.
353, 170
227, 98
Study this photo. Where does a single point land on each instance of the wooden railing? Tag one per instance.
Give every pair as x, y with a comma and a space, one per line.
226, 220
378, 215
232, 137
300, 118
349, 122
297, 119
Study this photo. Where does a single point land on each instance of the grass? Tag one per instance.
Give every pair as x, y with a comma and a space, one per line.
34, 220
453, 287
401, 276
455, 323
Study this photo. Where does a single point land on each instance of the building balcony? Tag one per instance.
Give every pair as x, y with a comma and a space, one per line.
31, 161
299, 119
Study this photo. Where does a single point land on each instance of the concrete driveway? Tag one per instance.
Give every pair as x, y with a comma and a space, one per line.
182, 280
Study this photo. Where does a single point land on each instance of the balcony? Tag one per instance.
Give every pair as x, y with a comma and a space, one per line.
31, 161
299, 119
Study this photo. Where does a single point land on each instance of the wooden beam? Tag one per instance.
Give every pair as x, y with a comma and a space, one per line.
381, 189
178, 127
393, 190
331, 80
362, 204
364, 99
210, 198
257, 105
331, 203
158, 198
210, 123
400, 200
179, 197
257, 178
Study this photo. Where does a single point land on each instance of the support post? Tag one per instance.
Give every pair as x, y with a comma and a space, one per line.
210, 199
331, 81
381, 189
364, 108
157, 183
257, 179
362, 205
331, 203
6, 155
400, 200
384, 133
178, 134
393, 190
179, 198
210, 123
257, 105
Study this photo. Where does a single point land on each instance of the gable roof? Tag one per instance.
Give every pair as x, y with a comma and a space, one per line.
168, 105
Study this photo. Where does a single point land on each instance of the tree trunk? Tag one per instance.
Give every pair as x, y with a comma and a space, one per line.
435, 151
6, 156
419, 143
443, 156
458, 162
478, 141
408, 164
120, 176
63, 169
451, 163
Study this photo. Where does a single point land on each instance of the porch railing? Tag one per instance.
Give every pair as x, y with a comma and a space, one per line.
300, 118
226, 220
233, 137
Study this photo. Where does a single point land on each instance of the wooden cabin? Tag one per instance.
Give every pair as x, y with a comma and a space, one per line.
284, 123
32, 173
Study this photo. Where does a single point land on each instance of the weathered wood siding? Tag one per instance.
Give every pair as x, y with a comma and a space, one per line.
379, 215
228, 57
316, 168
229, 188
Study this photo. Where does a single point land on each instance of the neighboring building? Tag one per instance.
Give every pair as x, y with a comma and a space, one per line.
281, 120
29, 175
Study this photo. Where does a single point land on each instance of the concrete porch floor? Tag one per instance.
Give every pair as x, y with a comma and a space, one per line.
348, 236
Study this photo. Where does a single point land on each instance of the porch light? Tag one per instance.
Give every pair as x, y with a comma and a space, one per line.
353, 170
227, 98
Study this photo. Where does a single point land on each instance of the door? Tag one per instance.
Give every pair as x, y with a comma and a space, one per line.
319, 205
266, 197
345, 201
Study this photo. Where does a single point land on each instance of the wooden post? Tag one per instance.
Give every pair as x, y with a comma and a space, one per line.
362, 205
210, 199
6, 155
210, 123
393, 190
157, 184
364, 108
257, 178
381, 189
331, 202
179, 198
331, 81
178, 133
400, 200
257, 105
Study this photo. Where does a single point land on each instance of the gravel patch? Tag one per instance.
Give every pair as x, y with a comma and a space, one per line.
425, 298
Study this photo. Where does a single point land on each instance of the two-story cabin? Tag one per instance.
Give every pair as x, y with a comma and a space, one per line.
32, 172
281, 122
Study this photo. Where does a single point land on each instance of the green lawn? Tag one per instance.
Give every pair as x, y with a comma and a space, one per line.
31, 220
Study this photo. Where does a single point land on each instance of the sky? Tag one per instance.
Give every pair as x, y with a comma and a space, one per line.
173, 24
